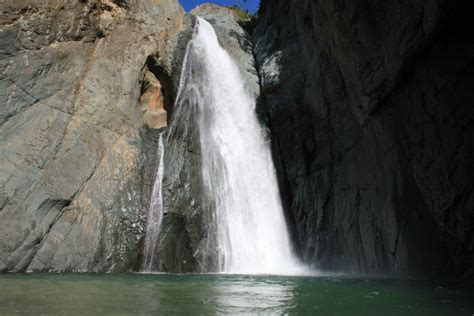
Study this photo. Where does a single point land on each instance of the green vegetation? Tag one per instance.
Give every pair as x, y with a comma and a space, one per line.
242, 15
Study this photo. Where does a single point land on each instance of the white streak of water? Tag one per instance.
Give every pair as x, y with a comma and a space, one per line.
155, 214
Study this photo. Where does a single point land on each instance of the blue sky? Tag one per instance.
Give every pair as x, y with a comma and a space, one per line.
250, 5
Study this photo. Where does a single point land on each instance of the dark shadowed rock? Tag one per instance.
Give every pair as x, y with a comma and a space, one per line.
370, 107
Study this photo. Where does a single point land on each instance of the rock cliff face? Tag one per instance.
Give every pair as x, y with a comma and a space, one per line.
371, 110
73, 141
86, 88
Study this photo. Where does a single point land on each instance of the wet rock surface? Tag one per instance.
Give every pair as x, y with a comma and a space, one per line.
370, 107
73, 144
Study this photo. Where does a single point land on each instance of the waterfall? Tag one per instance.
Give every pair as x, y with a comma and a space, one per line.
237, 166
155, 214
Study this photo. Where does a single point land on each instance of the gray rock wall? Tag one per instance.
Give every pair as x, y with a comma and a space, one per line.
370, 106
72, 142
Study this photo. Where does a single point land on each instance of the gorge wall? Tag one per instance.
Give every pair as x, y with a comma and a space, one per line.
370, 107
74, 148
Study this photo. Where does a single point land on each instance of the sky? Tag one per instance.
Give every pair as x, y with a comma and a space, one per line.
250, 5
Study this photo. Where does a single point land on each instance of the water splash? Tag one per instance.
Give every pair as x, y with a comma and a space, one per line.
237, 166
155, 214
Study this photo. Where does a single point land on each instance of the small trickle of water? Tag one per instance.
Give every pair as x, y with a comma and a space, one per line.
237, 166
155, 214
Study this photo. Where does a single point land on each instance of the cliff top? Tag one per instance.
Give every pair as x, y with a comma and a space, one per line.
237, 13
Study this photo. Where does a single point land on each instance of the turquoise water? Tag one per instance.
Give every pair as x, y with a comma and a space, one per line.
140, 294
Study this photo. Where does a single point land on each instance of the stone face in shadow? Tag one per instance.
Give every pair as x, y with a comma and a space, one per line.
371, 117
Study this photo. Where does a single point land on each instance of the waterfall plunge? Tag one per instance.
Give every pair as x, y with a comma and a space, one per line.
237, 166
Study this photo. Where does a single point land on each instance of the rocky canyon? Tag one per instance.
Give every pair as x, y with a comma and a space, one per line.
367, 105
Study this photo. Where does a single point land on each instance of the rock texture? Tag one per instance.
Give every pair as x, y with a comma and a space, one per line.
371, 109
73, 145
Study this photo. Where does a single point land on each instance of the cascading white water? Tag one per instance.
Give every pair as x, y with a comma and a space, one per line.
155, 214
237, 166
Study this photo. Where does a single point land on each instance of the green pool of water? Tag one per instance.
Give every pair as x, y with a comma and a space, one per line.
140, 294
